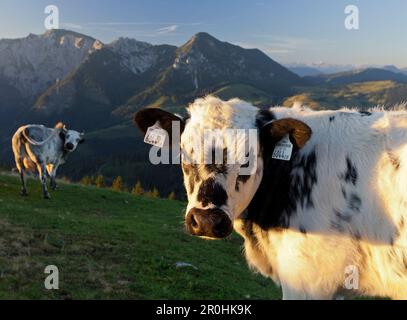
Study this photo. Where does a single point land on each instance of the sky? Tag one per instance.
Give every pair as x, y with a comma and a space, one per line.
289, 31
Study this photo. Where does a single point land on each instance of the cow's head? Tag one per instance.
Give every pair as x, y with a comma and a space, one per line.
218, 192
70, 138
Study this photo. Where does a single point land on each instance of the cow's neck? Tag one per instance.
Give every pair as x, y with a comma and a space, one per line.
65, 152
273, 204
285, 185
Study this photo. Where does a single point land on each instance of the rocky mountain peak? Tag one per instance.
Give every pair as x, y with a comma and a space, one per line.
32, 63
136, 55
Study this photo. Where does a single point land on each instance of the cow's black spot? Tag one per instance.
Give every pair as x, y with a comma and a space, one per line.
344, 193
395, 161
331, 118
304, 177
343, 216
212, 192
354, 202
264, 116
365, 113
284, 186
351, 174
237, 188
303, 230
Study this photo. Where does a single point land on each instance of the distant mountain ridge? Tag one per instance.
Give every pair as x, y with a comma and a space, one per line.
360, 75
313, 69
60, 73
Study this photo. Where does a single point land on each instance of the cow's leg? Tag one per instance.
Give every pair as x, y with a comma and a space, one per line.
23, 179
52, 171
42, 172
18, 151
21, 170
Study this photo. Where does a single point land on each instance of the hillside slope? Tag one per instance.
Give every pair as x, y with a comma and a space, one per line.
113, 245
362, 95
358, 75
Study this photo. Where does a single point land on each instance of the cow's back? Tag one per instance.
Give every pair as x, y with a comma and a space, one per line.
361, 174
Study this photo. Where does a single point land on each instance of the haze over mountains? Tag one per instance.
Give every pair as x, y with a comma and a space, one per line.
313, 69
96, 87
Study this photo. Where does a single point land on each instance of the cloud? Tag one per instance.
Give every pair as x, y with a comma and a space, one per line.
169, 29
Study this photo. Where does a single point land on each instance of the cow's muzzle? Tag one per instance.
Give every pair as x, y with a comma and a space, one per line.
69, 146
213, 223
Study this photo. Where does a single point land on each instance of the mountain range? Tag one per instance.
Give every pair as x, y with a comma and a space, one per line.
62, 73
313, 69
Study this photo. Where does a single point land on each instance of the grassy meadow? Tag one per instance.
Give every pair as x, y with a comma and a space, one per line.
113, 245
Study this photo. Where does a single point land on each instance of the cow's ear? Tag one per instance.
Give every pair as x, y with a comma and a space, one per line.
146, 118
299, 132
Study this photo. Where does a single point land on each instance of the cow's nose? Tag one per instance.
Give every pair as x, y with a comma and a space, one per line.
214, 223
69, 146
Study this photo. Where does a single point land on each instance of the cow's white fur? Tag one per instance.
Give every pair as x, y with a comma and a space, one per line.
313, 265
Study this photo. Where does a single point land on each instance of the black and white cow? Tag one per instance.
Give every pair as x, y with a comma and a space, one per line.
338, 205
44, 149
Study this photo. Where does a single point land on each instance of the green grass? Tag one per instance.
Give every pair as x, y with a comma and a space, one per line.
112, 245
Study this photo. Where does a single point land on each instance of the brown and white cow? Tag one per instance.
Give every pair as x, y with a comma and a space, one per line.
329, 220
